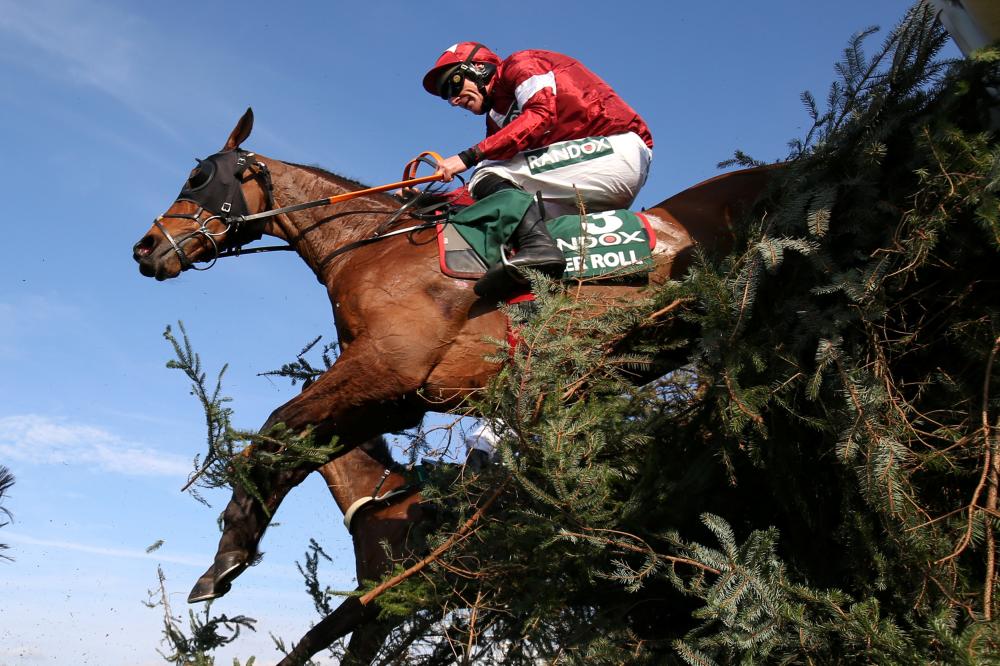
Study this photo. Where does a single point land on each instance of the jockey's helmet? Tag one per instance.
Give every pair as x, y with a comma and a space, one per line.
465, 60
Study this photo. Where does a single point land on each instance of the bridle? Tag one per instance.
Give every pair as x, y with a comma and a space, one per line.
223, 200
218, 203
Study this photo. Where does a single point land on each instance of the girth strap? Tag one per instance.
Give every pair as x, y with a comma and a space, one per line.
383, 499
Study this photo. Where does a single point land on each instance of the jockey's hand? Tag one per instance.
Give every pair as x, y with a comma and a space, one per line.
407, 193
449, 167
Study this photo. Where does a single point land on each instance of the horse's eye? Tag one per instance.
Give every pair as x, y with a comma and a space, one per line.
201, 175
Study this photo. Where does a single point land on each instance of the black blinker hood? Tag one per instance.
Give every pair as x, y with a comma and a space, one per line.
216, 184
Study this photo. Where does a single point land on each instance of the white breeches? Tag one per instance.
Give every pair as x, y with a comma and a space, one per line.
607, 172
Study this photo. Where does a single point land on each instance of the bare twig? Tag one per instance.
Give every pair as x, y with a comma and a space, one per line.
636, 549
987, 474
194, 477
472, 628
670, 308
991, 494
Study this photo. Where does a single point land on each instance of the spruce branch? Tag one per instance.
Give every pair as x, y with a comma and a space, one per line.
6, 483
987, 477
455, 538
645, 549
207, 632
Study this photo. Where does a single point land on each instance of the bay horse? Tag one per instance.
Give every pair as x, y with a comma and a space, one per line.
363, 472
412, 339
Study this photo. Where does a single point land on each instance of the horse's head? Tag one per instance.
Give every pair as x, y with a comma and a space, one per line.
205, 219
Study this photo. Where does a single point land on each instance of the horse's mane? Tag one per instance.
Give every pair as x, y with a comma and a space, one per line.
343, 181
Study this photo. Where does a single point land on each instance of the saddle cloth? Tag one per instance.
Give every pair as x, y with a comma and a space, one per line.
608, 244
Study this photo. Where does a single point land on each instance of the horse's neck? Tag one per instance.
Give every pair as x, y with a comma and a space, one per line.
352, 476
317, 232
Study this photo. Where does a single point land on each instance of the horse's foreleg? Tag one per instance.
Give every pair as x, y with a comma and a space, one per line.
243, 523
366, 393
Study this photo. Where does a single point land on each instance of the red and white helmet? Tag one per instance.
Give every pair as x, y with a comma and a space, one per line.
458, 61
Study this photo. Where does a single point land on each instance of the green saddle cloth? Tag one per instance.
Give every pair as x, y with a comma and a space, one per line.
609, 243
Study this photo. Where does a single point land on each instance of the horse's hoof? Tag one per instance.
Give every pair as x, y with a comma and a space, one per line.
218, 579
206, 590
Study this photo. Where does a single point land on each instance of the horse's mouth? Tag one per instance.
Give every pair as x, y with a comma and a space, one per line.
158, 271
156, 265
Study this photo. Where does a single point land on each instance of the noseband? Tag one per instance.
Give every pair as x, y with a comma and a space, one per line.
215, 186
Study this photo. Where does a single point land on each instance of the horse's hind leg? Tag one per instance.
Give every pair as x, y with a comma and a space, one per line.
350, 616
365, 643
356, 399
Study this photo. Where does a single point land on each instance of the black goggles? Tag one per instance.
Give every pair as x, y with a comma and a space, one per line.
201, 176
215, 183
452, 82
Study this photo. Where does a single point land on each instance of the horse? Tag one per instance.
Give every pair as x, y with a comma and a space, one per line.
353, 478
412, 339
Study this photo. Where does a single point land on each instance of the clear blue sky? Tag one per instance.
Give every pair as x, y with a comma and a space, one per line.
104, 107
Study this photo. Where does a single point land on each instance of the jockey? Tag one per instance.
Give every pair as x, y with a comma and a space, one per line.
554, 128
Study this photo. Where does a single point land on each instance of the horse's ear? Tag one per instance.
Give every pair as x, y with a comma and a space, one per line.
240, 132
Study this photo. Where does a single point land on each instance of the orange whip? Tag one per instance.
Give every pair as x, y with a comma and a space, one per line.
409, 171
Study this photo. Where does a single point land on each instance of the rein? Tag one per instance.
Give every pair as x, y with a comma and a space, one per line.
347, 196
235, 222
235, 252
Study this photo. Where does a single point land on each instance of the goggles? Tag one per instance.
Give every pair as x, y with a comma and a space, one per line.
215, 183
452, 82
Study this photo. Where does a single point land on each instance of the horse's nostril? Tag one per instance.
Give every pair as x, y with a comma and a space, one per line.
143, 247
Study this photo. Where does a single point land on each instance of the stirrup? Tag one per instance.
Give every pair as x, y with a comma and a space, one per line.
499, 281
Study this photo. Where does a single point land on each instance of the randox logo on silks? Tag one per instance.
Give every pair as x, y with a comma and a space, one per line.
565, 153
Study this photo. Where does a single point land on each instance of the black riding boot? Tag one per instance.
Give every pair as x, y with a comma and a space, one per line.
536, 249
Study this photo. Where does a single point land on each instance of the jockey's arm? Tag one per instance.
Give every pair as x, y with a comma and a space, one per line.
449, 167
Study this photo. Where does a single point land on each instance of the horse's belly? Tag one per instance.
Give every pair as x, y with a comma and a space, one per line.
463, 368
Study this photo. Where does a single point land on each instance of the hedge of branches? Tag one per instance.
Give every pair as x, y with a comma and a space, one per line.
819, 482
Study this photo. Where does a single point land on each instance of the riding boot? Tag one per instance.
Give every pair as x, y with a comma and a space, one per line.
536, 249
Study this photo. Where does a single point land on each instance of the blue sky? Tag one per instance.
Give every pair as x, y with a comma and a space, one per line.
106, 104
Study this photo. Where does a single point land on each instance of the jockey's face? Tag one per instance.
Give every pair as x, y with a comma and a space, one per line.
470, 98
